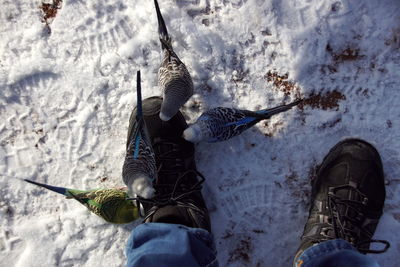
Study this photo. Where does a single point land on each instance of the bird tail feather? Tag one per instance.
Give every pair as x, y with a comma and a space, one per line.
162, 29
139, 113
267, 113
60, 190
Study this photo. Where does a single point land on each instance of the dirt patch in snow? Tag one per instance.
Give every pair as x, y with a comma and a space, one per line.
347, 54
325, 101
329, 100
282, 83
49, 12
242, 251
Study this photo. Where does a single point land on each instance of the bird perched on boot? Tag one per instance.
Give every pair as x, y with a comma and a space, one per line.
139, 169
110, 204
173, 77
219, 124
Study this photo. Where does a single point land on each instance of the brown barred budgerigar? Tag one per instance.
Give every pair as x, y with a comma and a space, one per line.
173, 77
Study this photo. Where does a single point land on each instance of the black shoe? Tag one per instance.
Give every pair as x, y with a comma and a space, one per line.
347, 197
178, 197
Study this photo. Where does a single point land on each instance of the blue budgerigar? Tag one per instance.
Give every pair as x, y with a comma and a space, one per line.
173, 77
139, 170
219, 124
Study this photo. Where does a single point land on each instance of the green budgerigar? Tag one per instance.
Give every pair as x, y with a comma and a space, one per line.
110, 204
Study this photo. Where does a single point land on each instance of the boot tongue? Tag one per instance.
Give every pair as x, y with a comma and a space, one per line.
172, 214
347, 199
350, 190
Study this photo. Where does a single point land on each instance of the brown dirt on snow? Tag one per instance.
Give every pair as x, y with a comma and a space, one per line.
325, 101
242, 251
329, 100
347, 54
50, 10
281, 82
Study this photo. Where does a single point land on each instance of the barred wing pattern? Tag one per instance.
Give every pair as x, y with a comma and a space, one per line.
172, 71
139, 169
173, 77
140, 158
221, 123
176, 84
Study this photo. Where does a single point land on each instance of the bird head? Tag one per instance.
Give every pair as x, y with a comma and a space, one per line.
193, 134
141, 186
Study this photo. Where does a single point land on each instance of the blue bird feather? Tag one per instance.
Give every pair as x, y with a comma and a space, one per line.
139, 117
139, 169
139, 114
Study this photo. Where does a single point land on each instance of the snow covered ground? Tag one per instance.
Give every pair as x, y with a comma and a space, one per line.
67, 89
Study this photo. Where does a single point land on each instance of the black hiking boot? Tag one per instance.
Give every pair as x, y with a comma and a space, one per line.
347, 197
178, 197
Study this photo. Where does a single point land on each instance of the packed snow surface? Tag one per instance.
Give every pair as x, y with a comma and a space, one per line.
67, 87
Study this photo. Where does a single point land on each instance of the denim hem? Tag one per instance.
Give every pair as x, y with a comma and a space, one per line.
322, 249
163, 244
337, 252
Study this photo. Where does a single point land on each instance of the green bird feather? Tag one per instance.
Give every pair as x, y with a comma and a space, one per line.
110, 204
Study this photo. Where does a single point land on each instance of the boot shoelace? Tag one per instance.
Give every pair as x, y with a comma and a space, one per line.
339, 220
175, 168
176, 198
169, 156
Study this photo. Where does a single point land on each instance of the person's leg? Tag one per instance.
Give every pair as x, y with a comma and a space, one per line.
347, 200
176, 229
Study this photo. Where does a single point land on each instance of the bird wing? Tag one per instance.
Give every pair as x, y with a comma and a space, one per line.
171, 56
140, 156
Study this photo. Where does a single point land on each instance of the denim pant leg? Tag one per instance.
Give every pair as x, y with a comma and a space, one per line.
334, 253
163, 244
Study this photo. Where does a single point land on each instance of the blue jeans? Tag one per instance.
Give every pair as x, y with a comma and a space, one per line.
334, 253
163, 244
